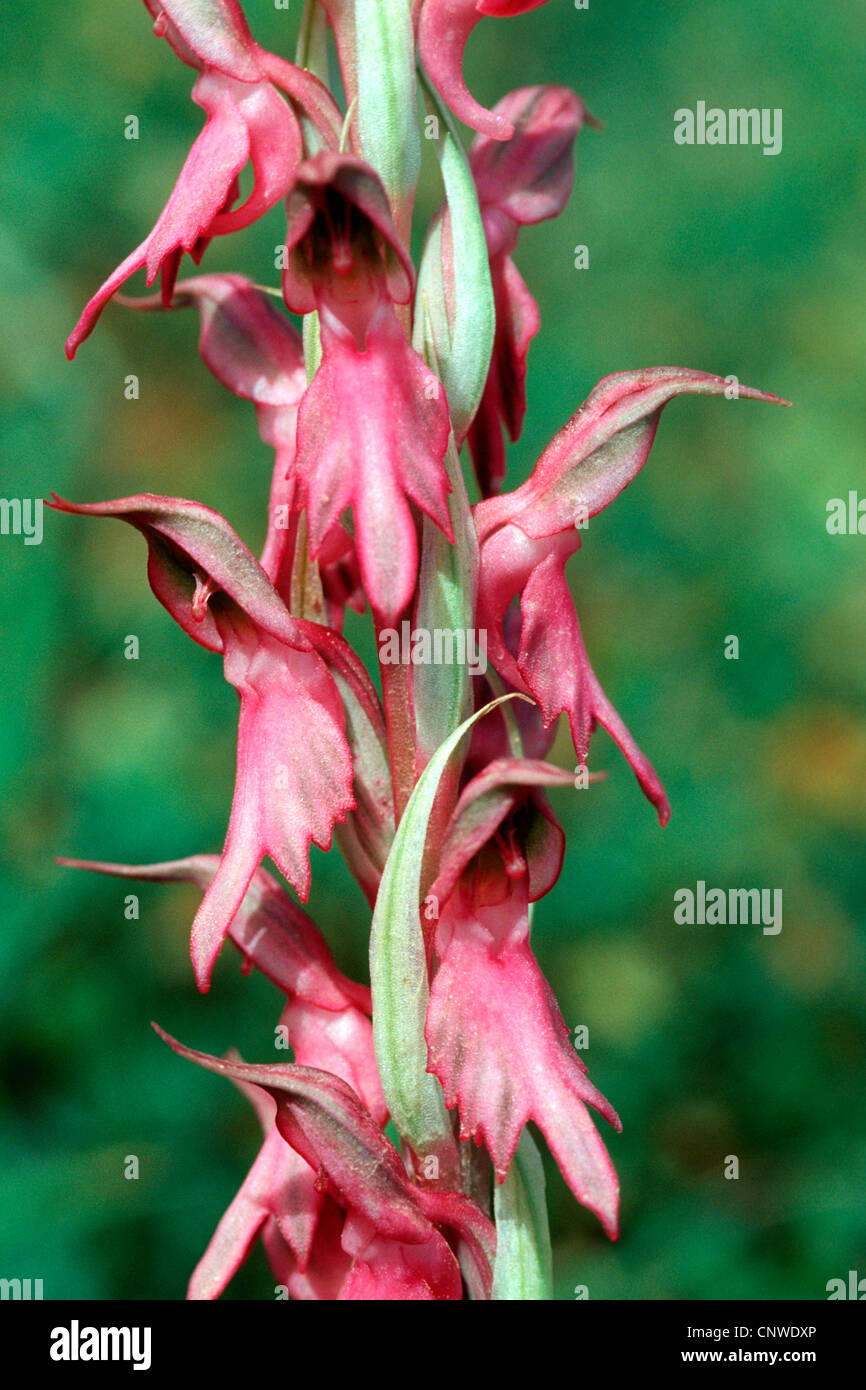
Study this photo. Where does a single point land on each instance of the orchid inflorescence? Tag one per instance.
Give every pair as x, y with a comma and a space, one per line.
435, 791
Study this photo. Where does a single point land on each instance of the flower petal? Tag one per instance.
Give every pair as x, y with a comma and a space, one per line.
323, 1119
501, 1050
443, 31
601, 449
529, 177
372, 433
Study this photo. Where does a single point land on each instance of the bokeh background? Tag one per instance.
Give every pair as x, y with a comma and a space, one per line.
710, 1041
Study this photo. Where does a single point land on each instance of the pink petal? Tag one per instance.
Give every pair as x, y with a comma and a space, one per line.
339, 1042
473, 1231
286, 794
228, 1248
504, 399
216, 158
252, 348
501, 1050
443, 32
530, 176
327, 1265
388, 1270
372, 432
504, 9
279, 1186
555, 668
307, 92
214, 31
275, 150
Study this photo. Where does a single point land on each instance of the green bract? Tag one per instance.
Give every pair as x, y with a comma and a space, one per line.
398, 973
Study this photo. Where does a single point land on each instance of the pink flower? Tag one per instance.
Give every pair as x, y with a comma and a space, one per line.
521, 181
526, 537
278, 1201
551, 663
256, 352
294, 769
443, 31
373, 425
327, 1022
497, 1040
326, 1015
508, 790
247, 120
392, 1230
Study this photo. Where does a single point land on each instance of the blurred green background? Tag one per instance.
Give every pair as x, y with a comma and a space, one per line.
710, 1041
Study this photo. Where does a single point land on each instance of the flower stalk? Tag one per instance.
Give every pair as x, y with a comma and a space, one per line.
386, 392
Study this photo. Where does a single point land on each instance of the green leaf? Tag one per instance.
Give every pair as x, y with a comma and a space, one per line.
463, 342
398, 974
524, 1261
446, 600
387, 100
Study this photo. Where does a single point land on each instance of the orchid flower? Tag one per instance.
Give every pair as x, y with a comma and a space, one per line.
345, 261
528, 535
497, 1040
325, 1020
248, 120
521, 181
284, 797
397, 1160
387, 1214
